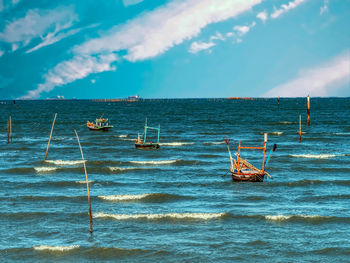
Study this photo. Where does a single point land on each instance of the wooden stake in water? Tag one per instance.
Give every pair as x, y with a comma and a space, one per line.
299, 128
48, 144
308, 110
8, 131
87, 180
11, 129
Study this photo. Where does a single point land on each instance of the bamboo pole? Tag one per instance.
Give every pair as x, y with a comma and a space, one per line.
87, 180
299, 128
8, 131
11, 129
308, 110
48, 144
265, 141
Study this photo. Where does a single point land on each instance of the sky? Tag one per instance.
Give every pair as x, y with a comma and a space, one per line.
174, 48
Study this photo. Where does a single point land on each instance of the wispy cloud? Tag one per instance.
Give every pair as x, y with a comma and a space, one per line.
36, 23
242, 30
77, 68
153, 33
200, 46
8, 5
324, 8
52, 38
262, 16
286, 7
322, 80
131, 2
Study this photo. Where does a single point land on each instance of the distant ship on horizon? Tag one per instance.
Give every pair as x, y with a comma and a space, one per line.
134, 97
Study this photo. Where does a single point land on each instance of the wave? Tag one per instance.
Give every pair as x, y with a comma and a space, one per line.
213, 143
55, 248
176, 143
84, 182
306, 218
151, 197
174, 216
309, 182
127, 139
123, 136
342, 133
278, 133
44, 169
316, 156
122, 169
160, 162
68, 162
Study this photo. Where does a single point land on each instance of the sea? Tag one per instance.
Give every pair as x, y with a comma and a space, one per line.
177, 203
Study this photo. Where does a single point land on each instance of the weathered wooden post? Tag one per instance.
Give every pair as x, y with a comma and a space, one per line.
48, 144
8, 131
87, 180
11, 129
308, 110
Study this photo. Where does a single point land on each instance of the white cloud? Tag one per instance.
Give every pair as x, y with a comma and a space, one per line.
324, 8
217, 36
8, 5
322, 80
77, 68
53, 37
262, 16
242, 30
36, 23
131, 2
155, 32
1, 53
286, 7
200, 46
229, 34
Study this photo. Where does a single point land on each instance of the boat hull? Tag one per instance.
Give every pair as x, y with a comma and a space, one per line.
247, 177
105, 128
147, 145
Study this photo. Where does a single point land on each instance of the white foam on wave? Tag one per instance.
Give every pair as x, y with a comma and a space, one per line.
278, 133
155, 162
68, 162
123, 136
176, 143
123, 197
55, 248
342, 133
214, 143
44, 169
287, 217
84, 182
316, 156
128, 139
198, 216
116, 168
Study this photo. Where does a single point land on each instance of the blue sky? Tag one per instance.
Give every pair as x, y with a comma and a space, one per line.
174, 48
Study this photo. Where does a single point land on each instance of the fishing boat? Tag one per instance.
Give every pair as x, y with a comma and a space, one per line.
242, 170
143, 143
99, 125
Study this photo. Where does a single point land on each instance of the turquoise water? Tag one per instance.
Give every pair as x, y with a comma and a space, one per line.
174, 204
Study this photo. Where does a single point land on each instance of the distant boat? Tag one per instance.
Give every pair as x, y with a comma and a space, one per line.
99, 125
240, 98
242, 170
134, 97
142, 141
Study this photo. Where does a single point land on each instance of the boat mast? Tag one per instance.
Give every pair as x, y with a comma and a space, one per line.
145, 133
264, 150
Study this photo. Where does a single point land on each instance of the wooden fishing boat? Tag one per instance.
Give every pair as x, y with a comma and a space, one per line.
242, 170
143, 143
99, 125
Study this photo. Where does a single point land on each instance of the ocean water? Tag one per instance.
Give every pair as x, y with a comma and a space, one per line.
175, 204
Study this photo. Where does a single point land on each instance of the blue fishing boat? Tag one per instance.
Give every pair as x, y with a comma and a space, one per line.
143, 143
